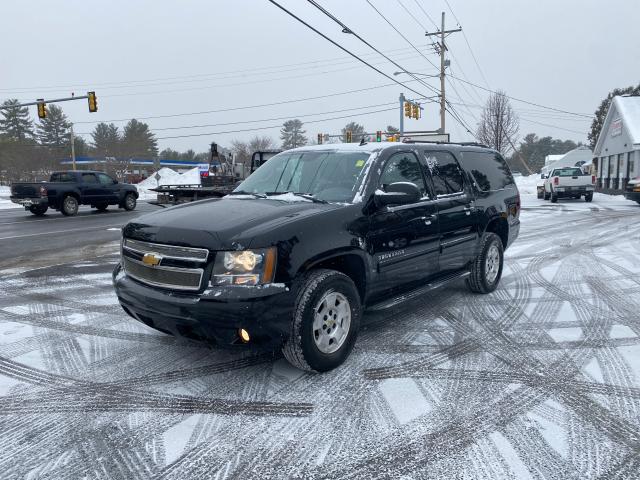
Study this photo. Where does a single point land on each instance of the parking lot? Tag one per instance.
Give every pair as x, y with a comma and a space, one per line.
540, 379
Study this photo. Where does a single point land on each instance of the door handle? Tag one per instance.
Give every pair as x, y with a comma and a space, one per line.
427, 219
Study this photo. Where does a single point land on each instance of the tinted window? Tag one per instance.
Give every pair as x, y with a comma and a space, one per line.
330, 176
105, 179
403, 167
489, 170
566, 172
62, 177
89, 178
445, 172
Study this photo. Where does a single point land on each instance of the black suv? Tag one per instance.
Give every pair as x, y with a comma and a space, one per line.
314, 237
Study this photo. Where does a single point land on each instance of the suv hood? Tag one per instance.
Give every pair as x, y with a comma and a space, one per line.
221, 224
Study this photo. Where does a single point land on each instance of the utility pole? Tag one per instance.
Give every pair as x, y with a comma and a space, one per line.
402, 100
73, 149
443, 48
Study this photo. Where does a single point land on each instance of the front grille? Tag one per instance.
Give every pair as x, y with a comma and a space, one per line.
176, 268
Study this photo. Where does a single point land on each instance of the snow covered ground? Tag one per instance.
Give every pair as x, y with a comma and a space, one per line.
5, 192
540, 379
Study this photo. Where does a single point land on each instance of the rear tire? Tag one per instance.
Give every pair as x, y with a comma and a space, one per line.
129, 202
38, 210
486, 269
325, 323
69, 206
588, 197
554, 197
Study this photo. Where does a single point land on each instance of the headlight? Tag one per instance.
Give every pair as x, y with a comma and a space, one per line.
244, 267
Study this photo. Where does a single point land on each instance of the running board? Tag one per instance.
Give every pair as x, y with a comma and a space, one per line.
411, 294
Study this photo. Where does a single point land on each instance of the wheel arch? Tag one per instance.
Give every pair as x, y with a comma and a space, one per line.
500, 226
349, 262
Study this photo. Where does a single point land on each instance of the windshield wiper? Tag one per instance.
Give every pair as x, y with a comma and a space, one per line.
308, 196
242, 192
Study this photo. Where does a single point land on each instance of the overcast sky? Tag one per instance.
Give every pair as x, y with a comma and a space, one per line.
156, 58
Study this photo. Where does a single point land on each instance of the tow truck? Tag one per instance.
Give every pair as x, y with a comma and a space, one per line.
220, 179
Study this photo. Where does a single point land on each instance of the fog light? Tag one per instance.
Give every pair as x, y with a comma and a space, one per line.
244, 335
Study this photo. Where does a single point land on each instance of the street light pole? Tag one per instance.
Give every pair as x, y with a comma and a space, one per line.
402, 100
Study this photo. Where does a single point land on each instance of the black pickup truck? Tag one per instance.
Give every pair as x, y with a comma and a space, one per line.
314, 237
66, 191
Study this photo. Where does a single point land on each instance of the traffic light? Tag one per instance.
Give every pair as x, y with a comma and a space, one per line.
93, 102
407, 109
42, 108
349, 136
320, 139
415, 111
379, 136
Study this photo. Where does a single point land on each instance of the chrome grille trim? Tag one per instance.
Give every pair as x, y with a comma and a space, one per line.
157, 276
189, 254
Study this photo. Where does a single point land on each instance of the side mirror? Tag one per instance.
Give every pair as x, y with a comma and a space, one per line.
399, 193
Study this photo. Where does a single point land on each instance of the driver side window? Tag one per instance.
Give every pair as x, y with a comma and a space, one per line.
403, 167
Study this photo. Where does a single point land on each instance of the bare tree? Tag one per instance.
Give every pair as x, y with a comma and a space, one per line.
499, 123
244, 150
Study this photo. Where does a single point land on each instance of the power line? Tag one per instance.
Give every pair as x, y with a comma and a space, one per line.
276, 126
291, 14
400, 33
346, 29
427, 15
524, 101
244, 107
186, 78
266, 119
464, 35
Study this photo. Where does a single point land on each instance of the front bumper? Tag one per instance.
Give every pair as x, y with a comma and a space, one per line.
635, 196
213, 316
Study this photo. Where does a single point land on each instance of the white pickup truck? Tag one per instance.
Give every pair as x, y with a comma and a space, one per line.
569, 182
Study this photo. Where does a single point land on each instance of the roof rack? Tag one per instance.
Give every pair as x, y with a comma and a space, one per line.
464, 144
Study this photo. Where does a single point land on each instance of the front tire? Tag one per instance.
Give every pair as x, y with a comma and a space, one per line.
69, 206
554, 197
546, 195
325, 321
486, 269
588, 197
38, 210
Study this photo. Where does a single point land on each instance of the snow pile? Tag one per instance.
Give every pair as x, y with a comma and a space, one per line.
5, 203
167, 177
527, 184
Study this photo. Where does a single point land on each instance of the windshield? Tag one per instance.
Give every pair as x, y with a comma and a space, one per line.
567, 172
329, 176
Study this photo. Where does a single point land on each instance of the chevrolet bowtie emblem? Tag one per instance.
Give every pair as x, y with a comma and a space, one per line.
151, 259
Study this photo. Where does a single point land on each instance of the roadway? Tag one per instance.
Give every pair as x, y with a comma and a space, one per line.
25, 238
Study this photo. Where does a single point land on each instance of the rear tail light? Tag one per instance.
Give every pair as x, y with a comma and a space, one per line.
593, 179
556, 180
43, 191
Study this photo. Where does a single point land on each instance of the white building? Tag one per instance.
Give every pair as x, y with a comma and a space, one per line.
618, 149
575, 158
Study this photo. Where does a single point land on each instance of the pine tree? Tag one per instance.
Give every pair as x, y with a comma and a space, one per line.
16, 123
53, 131
138, 140
292, 134
106, 140
357, 132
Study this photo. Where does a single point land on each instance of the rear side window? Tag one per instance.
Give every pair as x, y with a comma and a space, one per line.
62, 177
89, 178
445, 173
489, 170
